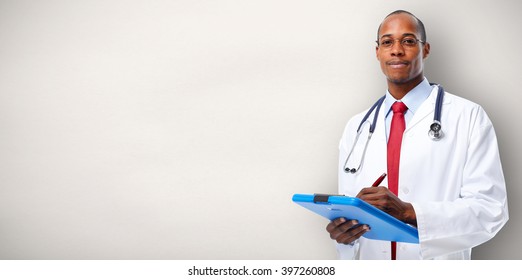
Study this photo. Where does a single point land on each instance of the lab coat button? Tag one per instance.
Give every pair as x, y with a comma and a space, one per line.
405, 190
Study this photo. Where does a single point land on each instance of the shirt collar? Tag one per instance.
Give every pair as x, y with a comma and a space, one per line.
413, 99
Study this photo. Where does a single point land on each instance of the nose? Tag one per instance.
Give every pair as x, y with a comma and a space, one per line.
397, 49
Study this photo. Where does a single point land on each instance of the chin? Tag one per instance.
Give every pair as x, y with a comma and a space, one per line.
398, 80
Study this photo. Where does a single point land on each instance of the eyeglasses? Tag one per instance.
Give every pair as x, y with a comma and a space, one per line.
409, 42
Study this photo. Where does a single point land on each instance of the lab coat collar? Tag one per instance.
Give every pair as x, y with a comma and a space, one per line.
427, 108
413, 99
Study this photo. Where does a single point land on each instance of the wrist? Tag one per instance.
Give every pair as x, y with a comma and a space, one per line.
409, 216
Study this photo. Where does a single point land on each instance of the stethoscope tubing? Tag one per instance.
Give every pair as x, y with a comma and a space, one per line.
435, 131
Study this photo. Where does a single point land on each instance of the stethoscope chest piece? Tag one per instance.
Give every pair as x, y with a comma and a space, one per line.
435, 132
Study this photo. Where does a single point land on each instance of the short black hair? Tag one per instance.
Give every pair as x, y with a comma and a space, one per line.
420, 25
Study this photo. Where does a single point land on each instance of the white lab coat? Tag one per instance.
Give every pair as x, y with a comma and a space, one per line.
456, 185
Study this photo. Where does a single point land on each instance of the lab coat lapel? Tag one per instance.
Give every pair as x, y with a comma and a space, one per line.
425, 110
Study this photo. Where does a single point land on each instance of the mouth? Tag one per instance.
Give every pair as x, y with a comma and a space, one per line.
397, 63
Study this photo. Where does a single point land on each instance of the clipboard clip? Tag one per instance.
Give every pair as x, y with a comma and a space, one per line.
323, 198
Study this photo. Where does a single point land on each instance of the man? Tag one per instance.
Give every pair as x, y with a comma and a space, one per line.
452, 190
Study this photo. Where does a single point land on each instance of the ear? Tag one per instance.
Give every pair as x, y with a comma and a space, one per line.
426, 50
377, 52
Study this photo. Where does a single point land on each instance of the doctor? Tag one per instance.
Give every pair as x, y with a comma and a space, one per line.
452, 189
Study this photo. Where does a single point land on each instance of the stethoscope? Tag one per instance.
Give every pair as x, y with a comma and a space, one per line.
435, 132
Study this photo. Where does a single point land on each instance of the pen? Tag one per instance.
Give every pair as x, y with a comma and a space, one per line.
379, 180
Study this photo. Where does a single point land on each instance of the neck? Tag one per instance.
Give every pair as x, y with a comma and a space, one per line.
398, 90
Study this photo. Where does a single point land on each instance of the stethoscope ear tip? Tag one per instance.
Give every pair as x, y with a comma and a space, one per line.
350, 170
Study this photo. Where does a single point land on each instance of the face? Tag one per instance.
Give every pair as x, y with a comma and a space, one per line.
401, 63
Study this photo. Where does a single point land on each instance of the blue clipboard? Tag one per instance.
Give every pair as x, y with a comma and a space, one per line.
383, 226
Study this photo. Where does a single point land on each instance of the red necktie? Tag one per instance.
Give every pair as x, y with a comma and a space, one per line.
394, 153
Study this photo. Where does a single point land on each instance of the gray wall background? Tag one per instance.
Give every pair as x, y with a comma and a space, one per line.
180, 129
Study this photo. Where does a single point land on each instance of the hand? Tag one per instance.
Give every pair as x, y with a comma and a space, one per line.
384, 199
346, 231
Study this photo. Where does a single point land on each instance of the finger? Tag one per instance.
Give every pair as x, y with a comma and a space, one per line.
382, 194
349, 236
339, 221
335, 232
367, 191
372, 190
335, 223
354, 234
348, 225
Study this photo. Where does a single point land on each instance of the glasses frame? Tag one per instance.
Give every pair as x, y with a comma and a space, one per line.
401, 41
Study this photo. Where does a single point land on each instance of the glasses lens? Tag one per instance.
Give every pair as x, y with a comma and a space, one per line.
386, 43
409, 42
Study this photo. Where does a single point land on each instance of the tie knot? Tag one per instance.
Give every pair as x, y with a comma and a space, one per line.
399, 107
